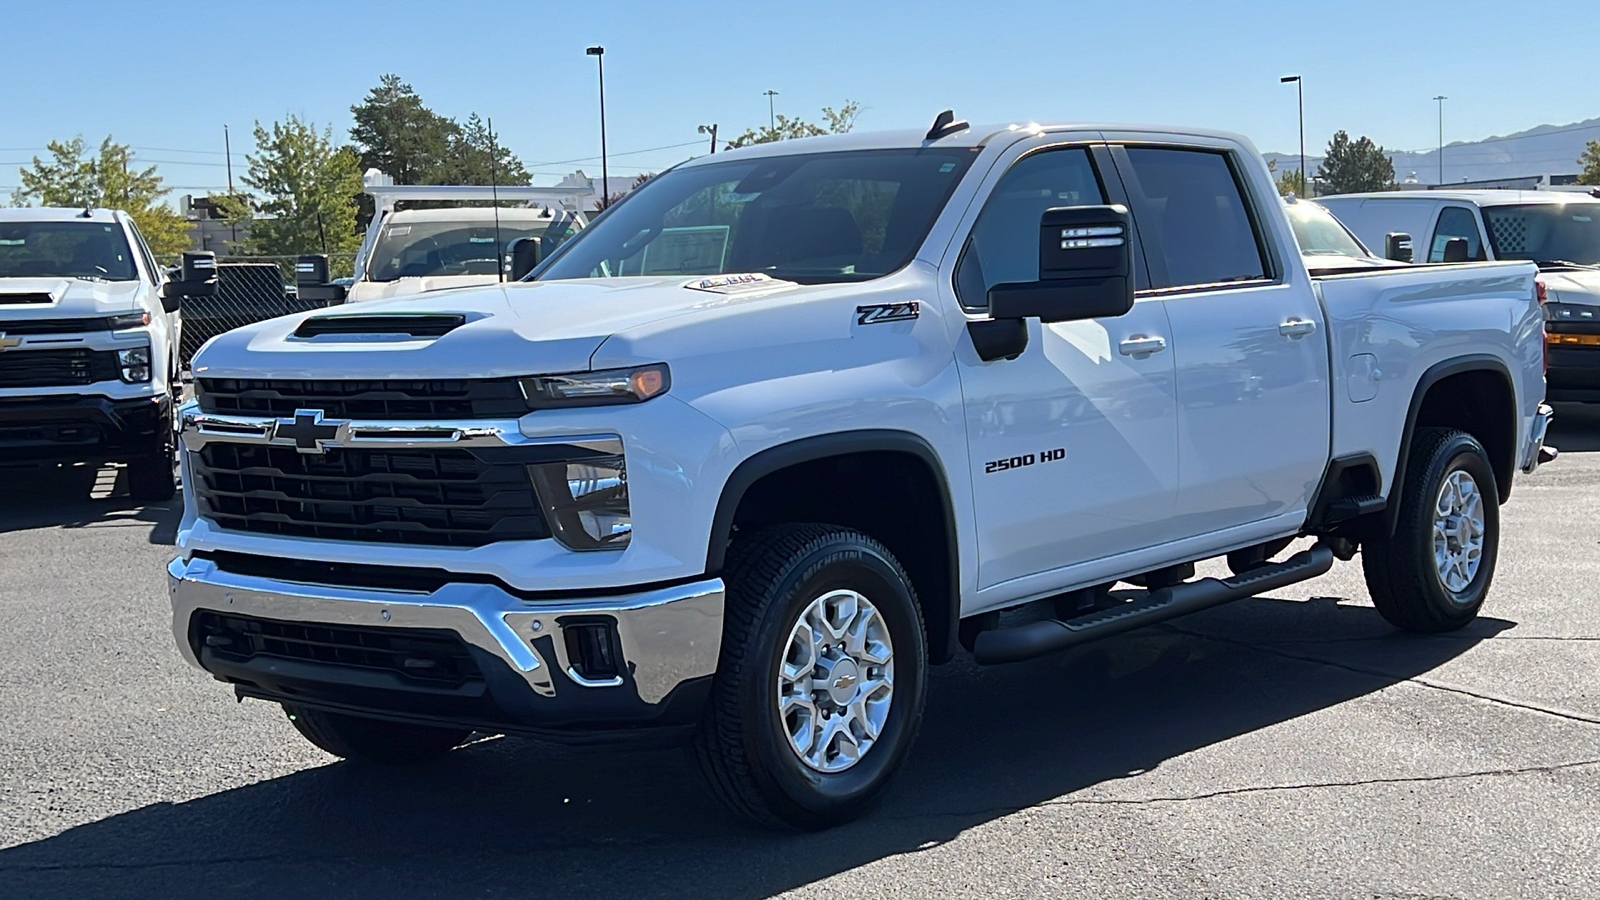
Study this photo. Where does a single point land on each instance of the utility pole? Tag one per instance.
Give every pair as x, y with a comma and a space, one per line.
227, 151
772, 120
1299, 87
1441, 98
599, 54
711, 130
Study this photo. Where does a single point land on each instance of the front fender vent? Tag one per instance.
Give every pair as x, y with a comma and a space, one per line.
429, 325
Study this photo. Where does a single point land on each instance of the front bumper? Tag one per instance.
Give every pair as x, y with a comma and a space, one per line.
527, 656
82, 428
1574, 374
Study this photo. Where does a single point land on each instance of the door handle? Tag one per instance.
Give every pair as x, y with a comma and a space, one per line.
1142, 345
1296, 327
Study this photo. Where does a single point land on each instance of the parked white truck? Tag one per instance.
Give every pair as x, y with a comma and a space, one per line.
897, 384
88, 346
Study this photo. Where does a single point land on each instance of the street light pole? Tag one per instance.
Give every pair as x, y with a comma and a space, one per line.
599, 54
1441, 98
1299, 89
711, 130
772, 120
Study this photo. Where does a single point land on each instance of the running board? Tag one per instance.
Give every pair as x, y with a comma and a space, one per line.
1004, 645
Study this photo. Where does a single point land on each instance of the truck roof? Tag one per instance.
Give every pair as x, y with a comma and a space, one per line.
973, 136
469, 214
1485, 197
56, 214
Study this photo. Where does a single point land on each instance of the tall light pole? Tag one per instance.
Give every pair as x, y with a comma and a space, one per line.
711, 130
1441, 98
1299, 88
599, 54
771, 119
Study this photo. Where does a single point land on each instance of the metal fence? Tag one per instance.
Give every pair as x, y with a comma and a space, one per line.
247, 292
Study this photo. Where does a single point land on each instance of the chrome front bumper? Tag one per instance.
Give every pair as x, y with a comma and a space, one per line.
1536, 452
669, 638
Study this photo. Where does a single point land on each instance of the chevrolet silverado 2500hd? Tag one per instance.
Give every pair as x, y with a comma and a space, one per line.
88, 346
891, 385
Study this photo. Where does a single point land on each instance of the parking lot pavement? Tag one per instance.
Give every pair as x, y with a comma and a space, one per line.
1290, 746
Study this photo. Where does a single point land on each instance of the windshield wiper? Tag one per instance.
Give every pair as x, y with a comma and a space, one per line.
1563, 264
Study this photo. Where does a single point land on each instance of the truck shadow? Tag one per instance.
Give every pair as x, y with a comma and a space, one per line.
80, 497
514, 818
1576, 428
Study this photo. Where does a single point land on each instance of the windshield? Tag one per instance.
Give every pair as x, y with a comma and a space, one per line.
1545, 232
1319, 234
422, 249
65, 250
813, 218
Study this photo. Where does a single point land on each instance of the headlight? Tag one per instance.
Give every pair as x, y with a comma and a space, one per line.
130, 320
135, 363
605, 388
586, 500
1571, 312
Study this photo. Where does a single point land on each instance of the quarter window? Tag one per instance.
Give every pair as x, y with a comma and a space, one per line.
1455, 222
1201, 221
1004, 244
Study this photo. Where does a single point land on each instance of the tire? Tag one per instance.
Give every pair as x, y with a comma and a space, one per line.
374, 740
775, 577
1402, 571
152, 479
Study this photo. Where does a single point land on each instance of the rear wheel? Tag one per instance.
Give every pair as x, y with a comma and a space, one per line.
374, 740
1433, 573
820, 687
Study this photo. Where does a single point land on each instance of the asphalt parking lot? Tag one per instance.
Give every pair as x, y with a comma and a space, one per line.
1288, 746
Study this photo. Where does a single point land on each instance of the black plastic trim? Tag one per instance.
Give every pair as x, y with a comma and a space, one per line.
1477, 362
1329, 491
811, 449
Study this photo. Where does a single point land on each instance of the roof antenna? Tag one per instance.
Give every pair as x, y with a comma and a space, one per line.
494, 191
88, 211
944, 125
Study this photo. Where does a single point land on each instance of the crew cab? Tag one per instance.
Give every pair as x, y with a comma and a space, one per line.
88, 346
890, 386
1558, 230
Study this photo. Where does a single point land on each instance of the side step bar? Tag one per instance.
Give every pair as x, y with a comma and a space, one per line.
1004, 645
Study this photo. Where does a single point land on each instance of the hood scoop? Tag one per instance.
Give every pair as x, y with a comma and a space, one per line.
380, 326
30, 297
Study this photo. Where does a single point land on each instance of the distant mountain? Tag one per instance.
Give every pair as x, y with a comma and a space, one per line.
1545, 150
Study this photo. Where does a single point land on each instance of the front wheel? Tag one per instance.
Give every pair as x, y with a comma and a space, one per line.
822, 678
374, 740
1432, 574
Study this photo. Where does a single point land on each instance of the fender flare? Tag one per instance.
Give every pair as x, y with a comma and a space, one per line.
1477, 362
810, 449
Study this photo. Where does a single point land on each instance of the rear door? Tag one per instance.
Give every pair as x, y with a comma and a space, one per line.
1251, 355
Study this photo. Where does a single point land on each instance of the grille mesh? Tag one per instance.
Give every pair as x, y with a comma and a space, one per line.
54, 368
493, 398
436, 657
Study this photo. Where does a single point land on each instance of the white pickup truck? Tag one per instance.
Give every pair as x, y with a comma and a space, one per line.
898, 384
88, 346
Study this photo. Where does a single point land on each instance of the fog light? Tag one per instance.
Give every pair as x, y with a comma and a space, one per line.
135, 363
586, 502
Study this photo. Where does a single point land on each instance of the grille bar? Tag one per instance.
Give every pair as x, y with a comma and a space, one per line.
483, 398
440, 497
57, 326
433, 657
54, 368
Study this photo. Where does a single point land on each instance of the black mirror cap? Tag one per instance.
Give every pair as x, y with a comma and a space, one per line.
525, 253
198, 266
1397, 246
1085, 268
173, 292
326, 294
1455, 250
310, 270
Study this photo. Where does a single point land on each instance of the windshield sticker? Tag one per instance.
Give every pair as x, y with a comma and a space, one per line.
737, 285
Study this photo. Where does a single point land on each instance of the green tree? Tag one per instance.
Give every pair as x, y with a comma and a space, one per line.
472, 149
111, 179
838, 121
1290, 182
1590, 160
399, 136
306, 187
1353, 167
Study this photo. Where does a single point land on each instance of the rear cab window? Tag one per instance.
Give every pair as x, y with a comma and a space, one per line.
1197, 224
1456, 222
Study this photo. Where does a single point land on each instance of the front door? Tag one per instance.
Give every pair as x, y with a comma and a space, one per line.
1073, 443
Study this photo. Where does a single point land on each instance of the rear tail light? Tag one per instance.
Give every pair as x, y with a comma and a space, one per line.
1541, 292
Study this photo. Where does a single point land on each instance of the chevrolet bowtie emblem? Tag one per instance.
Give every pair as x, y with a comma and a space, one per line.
308, 431
846, 680
6, 343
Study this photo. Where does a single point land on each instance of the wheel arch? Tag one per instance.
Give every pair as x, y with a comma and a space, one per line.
1491, 418
934, 569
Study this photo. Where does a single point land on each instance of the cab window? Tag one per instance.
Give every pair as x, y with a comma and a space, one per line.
1455, 222
1201, 221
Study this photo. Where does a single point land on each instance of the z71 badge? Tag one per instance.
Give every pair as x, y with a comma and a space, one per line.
888, 312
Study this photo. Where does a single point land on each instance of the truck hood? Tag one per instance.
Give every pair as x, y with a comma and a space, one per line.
1581, 286
524, 328
74, 298
363, 291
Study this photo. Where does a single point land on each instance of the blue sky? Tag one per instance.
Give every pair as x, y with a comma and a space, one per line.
165, 76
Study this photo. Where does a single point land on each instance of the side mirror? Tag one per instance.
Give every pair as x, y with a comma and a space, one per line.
198, 278
1085, 268
525, 252
1455, 250
311, 280
1397, 246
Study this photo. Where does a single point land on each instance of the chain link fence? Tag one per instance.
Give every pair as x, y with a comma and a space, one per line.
249, 290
